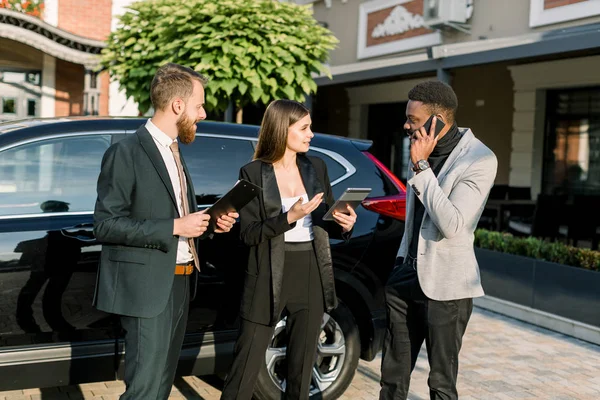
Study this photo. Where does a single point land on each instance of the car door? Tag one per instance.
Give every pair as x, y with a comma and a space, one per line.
48, 263
214, 162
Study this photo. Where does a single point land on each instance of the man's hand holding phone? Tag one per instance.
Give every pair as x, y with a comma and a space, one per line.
423, 140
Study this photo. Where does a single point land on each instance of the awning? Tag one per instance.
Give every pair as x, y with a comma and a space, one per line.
583, 39
56, 42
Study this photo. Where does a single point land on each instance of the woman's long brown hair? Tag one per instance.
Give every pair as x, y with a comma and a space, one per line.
272, 137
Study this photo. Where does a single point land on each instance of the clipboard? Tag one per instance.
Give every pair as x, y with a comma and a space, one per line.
242, 193
351, 197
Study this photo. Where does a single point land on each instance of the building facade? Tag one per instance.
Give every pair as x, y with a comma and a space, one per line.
525, 72
49, 60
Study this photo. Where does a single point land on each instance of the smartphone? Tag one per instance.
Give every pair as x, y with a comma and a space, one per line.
439, 125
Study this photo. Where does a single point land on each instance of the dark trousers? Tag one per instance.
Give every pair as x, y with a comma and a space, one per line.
302, 302
412, 319
153, 345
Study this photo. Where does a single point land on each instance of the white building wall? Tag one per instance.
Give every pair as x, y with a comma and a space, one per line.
48, 87
118, 104
51, 12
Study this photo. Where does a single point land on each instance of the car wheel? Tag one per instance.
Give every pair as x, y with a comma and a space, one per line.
338, 351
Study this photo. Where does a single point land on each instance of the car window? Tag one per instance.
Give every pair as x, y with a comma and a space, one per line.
334, 168
53, 175
214, 164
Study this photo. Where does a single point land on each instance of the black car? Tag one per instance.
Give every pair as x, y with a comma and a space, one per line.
50, 335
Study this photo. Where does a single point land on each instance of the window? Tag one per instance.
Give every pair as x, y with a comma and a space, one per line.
334, 168
54, 175
214, 164
9, 105
405, 158
31, 106
572, 143
33, 78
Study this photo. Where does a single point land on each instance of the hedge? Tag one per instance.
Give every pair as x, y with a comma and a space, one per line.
539, 249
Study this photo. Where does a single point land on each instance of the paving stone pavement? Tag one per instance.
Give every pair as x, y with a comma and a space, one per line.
501, 359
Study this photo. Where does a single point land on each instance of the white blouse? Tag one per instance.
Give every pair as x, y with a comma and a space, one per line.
303, 231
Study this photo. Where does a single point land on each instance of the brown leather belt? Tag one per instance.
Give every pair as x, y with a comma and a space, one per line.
184, 269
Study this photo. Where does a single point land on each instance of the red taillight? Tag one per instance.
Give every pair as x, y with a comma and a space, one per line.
392, 206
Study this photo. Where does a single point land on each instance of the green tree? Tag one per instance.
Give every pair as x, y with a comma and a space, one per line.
253, 51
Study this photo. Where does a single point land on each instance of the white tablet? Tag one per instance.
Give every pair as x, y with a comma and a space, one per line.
351, 197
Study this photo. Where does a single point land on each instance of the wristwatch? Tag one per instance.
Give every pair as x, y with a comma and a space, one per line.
421, 165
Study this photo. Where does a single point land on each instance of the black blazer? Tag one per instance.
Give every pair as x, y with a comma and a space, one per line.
133, 219
262, 227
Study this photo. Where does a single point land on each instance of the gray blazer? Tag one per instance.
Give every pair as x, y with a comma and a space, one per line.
453, 202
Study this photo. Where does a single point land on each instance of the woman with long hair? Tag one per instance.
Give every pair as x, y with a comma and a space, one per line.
289, 270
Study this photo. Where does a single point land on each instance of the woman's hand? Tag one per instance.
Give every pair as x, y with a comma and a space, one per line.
225, 222
346, 221
299, 210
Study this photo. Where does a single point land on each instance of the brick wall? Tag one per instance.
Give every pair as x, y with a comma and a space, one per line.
69, 88
104, 82
559, 3
89, 18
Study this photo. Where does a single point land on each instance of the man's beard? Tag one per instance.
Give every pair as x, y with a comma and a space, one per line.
186, 129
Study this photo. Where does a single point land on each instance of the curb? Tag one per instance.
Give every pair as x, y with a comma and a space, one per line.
543, 319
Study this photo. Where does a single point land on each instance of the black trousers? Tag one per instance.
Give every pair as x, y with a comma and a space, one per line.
153, 345
412, 319
302, 302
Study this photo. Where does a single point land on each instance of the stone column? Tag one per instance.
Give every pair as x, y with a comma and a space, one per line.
91, 93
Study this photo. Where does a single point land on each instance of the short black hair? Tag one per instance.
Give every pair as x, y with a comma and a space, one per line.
438, 96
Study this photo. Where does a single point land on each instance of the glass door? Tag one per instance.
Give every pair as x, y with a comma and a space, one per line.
572, 142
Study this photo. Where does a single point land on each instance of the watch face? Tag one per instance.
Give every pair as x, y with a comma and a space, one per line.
422, 164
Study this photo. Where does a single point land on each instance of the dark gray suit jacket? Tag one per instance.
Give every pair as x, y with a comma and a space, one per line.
262, 227
133, 219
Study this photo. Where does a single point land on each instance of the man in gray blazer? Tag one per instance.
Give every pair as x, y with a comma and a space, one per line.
146, 217
429, 295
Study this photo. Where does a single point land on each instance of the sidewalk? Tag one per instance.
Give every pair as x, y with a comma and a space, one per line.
501, 359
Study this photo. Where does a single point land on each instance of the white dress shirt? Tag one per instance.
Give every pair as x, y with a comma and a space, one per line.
303, 231
163, 141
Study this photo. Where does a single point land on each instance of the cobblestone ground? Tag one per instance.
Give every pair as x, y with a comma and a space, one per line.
501, 359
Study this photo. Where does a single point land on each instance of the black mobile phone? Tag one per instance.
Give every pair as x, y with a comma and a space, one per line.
439, 125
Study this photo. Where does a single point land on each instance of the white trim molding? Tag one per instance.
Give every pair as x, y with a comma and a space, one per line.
399, 21
56, 42
538, 16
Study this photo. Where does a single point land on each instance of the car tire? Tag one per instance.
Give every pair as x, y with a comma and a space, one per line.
339, 336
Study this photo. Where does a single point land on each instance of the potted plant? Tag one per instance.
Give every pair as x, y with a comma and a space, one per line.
31, 7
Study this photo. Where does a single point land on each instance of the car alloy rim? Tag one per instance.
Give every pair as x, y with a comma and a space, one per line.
331, 352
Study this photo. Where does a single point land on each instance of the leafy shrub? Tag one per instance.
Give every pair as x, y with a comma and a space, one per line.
539, 249
253, 51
